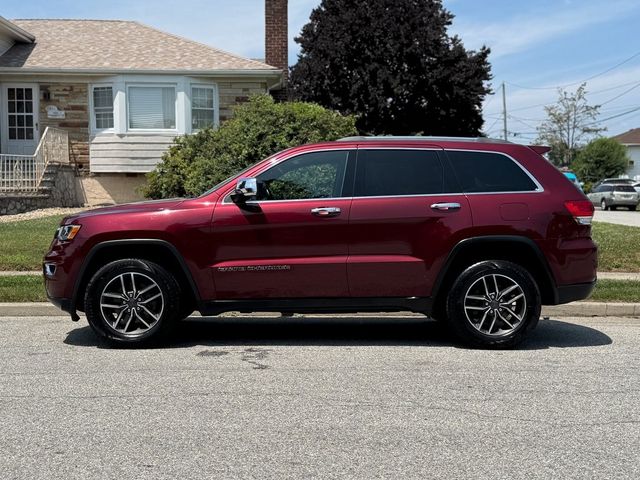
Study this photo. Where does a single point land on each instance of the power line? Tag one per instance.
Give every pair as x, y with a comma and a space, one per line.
580, 82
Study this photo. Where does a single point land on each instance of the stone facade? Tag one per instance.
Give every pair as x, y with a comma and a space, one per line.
73, 99
60, 188
234, 92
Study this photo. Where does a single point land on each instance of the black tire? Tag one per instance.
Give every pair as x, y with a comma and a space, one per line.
613, 207
603, 204
499, 335
632, 208
148, 273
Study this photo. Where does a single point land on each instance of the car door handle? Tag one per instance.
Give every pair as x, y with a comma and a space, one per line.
326, 211
445, 206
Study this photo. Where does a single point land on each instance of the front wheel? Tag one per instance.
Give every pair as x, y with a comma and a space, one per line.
493, 303
132, 302
632, 208
603, 204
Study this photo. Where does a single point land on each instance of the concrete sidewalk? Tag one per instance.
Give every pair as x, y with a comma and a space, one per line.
575, 309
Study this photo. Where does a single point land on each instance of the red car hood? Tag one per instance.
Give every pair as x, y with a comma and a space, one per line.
153, 205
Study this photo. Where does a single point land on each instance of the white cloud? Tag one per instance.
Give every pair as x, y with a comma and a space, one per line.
524, 31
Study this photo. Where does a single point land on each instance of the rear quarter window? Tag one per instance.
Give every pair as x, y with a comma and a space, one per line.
487, 172
624, 188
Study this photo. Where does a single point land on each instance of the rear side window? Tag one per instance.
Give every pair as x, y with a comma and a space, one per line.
398, 172
488, 172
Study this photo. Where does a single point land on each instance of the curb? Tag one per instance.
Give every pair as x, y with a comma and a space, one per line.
576, 309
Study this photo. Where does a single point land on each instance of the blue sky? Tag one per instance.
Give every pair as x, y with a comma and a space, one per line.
536, 44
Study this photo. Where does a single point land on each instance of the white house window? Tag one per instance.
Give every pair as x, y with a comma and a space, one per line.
202, 107
103, 107
152, 107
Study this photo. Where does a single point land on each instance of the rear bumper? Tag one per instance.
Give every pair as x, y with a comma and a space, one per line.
573, 292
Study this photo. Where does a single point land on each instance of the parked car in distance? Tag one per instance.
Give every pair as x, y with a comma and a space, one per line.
609, 196
637, 186
612, 181
476, 233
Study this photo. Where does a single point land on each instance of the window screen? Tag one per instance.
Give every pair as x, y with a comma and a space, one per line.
202, 107
489, 172
398, 172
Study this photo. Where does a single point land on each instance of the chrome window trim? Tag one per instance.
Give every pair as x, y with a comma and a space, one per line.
539, 187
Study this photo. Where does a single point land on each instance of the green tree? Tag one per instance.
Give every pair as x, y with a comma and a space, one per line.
570, 123
393, 64
601, 158
258, 129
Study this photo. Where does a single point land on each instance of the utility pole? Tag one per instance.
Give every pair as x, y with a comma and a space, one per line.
504, 111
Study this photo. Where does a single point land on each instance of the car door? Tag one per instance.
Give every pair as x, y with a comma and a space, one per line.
402, 222
292, 240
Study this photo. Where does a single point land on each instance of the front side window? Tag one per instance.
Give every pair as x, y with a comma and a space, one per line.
307, 176
489, 172
103, 107
388, 172
152, 107
202, 107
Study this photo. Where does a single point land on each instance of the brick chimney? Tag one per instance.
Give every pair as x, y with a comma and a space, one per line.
276, 40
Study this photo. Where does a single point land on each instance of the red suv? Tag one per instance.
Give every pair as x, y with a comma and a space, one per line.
475, 233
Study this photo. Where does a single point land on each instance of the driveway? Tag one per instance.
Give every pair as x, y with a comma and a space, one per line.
621, 217
319, 398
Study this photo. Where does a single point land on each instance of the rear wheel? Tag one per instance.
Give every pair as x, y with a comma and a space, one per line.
493, 304
132, 302
632, 208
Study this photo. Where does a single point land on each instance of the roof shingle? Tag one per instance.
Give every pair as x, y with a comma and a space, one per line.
630, 137
116, 45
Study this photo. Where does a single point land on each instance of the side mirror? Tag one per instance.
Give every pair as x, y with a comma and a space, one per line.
246, 189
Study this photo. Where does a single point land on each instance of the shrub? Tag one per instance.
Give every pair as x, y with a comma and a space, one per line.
259, 128
601, 158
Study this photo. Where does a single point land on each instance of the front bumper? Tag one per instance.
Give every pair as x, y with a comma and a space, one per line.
66, 305
574, 292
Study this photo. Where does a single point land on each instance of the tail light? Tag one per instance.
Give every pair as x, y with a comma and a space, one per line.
581, 211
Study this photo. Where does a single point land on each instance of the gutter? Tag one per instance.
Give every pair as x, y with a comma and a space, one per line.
16, 32
273, 76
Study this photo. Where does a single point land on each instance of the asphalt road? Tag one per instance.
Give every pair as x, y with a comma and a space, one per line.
324, 398
620, 216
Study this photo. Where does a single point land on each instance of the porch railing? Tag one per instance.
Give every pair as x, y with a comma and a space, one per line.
23, 173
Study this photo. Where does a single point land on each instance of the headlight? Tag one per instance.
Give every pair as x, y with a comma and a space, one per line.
67, 232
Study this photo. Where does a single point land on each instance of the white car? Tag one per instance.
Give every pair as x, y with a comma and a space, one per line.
637, 186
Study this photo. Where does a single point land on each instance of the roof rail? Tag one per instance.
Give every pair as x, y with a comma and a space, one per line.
423, 138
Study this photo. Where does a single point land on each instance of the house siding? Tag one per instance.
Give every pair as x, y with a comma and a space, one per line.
73, 99
634, 168
130, 153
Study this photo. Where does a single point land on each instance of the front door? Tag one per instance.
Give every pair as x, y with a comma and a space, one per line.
20, 133
403, 222
292, 240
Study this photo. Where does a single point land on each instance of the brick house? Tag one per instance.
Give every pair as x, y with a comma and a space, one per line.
121, 90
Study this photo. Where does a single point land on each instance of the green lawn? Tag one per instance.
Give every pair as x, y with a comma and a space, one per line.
24, 243
616, 291
618, 247
23, 288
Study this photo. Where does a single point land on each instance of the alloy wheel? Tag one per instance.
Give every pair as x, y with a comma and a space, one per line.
131, 303
495, 305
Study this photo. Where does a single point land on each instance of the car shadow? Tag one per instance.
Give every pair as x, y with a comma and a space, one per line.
351, 331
